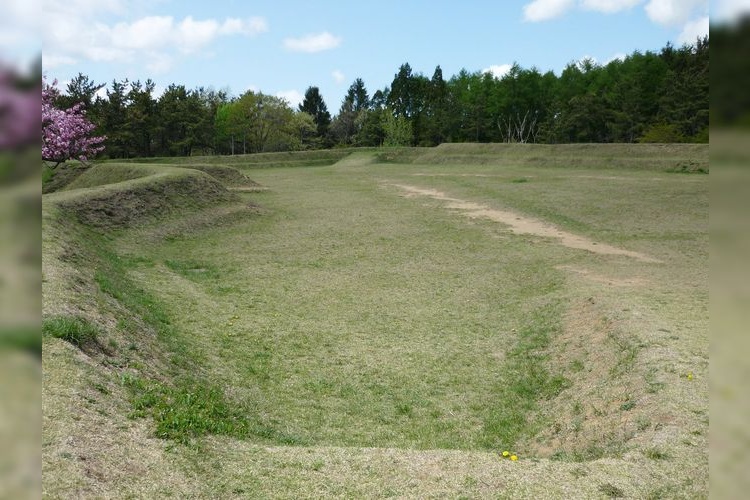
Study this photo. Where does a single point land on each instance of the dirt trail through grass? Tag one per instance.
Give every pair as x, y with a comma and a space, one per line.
524, 224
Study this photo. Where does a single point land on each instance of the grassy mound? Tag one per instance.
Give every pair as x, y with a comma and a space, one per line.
154, 193
312, 158
55, 179
111, 173
228, 176
678, 158
661, 157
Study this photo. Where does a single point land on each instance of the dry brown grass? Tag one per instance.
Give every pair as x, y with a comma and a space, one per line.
90, 448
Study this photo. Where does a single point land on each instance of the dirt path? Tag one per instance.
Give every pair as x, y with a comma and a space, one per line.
523, 224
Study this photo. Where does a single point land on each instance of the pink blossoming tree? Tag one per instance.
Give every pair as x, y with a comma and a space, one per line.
66, 133
19, 112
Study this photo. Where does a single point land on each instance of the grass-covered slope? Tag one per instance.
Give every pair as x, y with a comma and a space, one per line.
137, 195
320, 157
376, 330
679, 158
102, 174
106, 340
661, 157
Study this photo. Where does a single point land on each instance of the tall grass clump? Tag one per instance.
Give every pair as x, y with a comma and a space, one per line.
74, 329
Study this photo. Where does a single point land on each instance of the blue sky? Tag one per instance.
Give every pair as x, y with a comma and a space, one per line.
282, 47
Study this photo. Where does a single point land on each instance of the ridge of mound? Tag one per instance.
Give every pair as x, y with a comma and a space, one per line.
108, 173
111, 173
308, 158
229, 176
129, 202
687, 158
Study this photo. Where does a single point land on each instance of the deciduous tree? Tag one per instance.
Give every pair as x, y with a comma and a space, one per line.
66, 133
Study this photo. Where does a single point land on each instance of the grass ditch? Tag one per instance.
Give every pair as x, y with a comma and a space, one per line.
183, 404
527, 383
396, 329
377, 361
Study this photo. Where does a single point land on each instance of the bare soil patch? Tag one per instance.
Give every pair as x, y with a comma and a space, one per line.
523, 224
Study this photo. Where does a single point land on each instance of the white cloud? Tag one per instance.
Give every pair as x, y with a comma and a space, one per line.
692, 15
664, 12
188, 35
312, 43
338, 76
19, 25
609, 6
102, 93
74, 29
694, 30
498, 70
674, 12
146, 33
50, 61
543, 10
250, 27
159, 63
21, 14
293, 97
729, 10
617, 57
83, 8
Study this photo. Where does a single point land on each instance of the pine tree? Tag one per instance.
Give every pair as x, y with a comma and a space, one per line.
315, 106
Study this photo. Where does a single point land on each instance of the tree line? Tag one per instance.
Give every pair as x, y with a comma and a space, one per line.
644, 97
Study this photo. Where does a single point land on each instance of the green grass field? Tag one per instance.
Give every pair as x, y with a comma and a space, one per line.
386, 324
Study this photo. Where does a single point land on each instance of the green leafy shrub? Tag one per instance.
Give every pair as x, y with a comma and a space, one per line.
662, 133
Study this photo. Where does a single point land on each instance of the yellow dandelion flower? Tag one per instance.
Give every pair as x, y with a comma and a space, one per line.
513, 457
690, 376
506, 453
